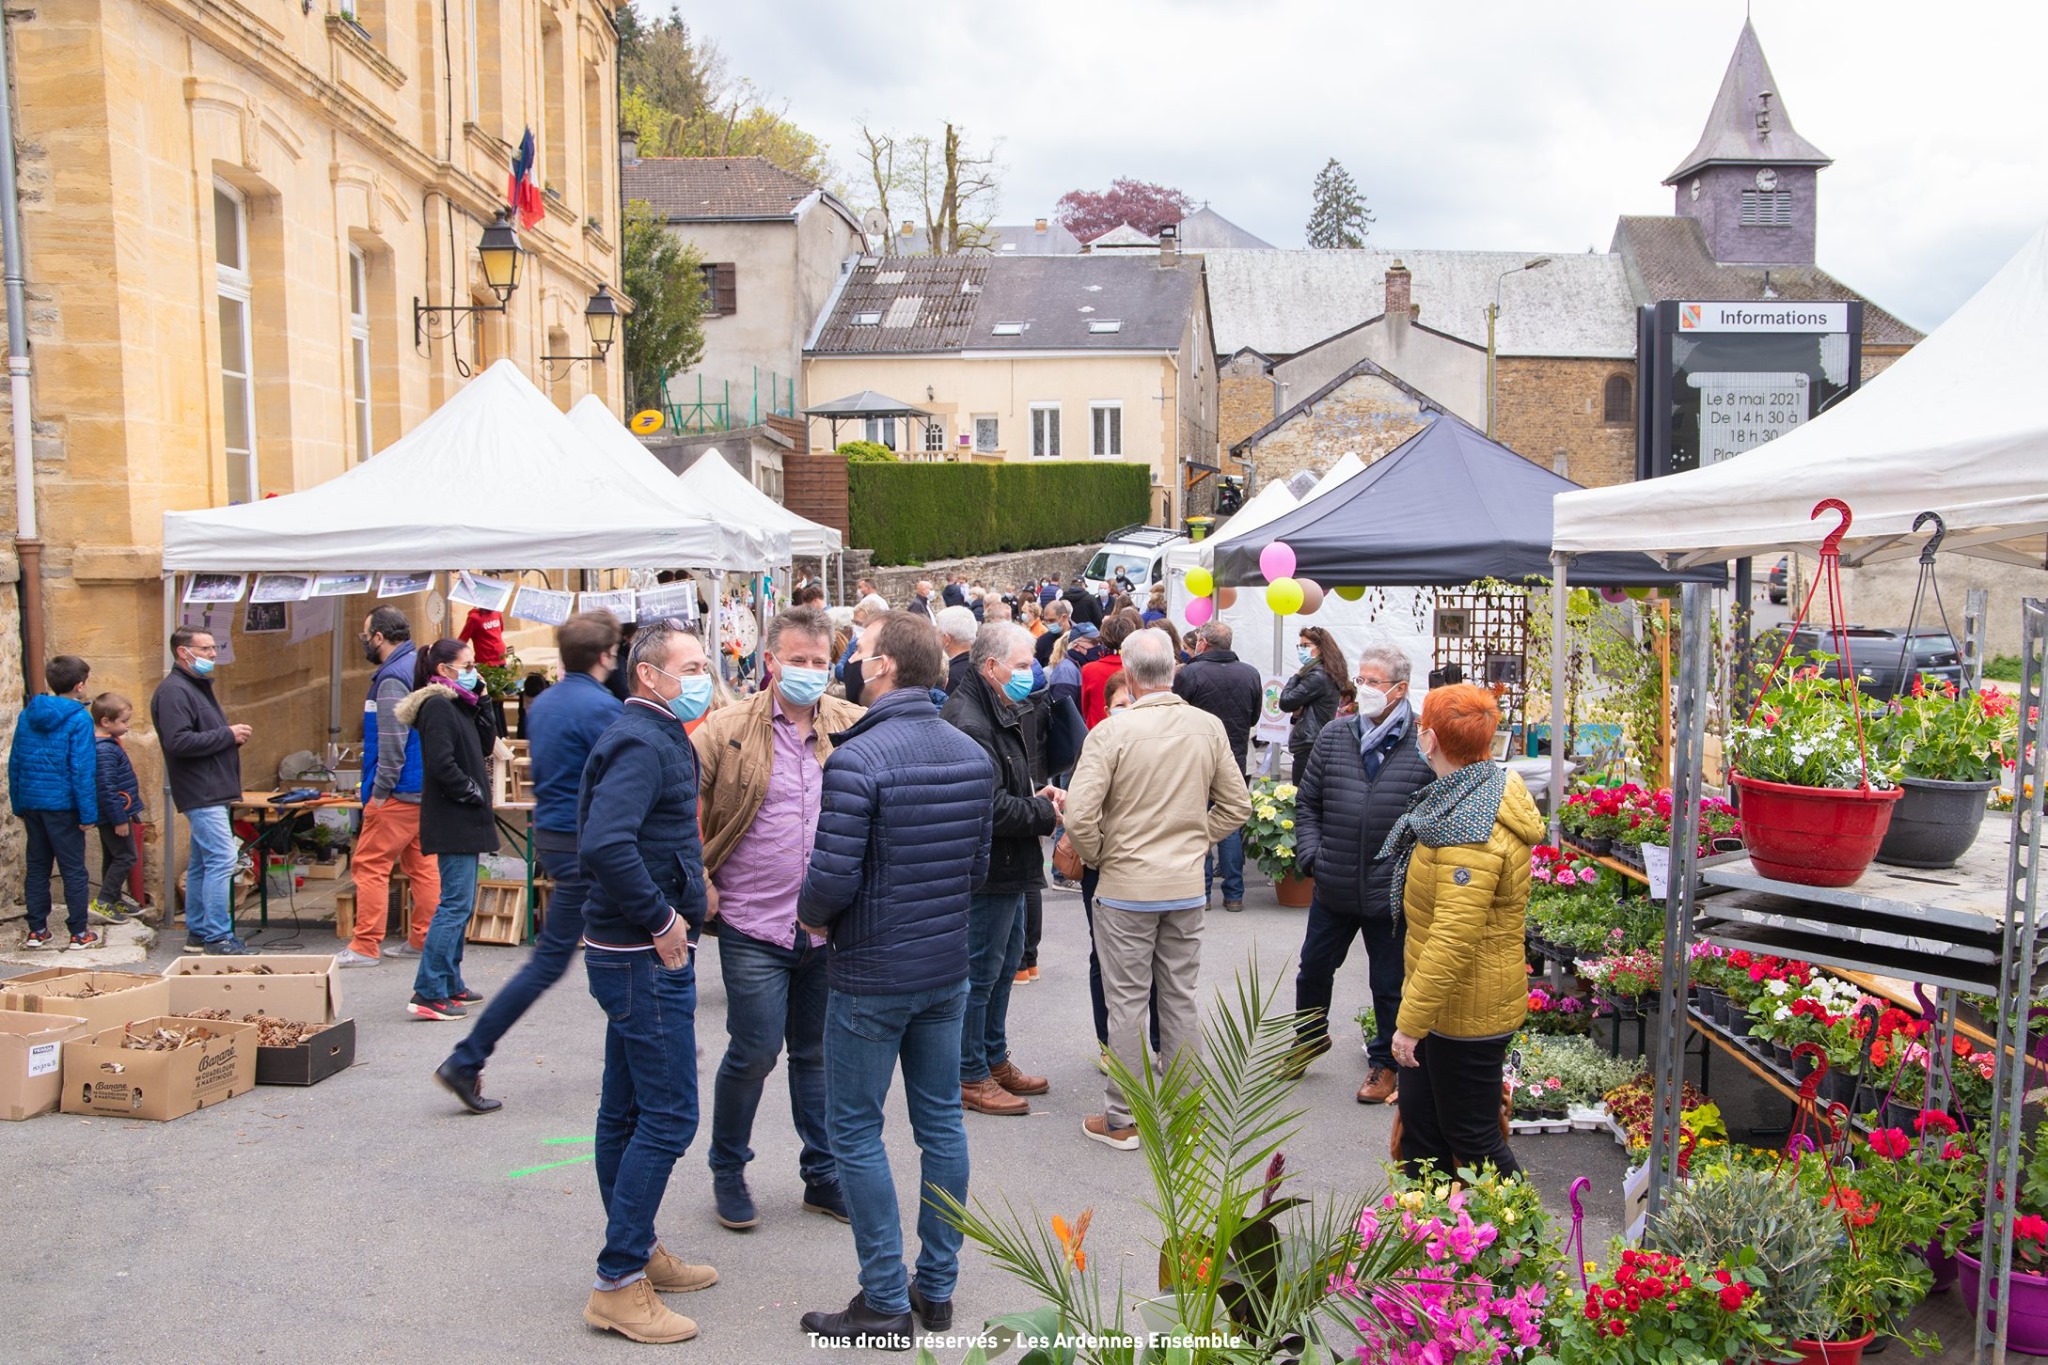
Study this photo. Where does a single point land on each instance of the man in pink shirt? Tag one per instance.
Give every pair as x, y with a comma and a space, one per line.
763, 763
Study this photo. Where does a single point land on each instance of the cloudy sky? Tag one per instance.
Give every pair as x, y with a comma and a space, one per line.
1482, 124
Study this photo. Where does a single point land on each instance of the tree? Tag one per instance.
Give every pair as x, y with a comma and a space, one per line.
664, 277
681, 101
1340, 217
954, 187
1145, 206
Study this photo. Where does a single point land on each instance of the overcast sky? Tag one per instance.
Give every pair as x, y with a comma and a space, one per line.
1479, 124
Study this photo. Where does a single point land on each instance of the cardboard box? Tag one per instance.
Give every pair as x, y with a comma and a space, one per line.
31, 1060
323, 1054
102, 1077
125, 996
301, 986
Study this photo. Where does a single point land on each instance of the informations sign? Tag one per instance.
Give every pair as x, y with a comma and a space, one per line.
1739, 412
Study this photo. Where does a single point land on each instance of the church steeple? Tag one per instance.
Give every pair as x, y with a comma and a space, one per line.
1751, 181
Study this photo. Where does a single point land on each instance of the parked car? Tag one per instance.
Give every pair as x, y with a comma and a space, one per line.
1777, 583
1138, 553
1887, 660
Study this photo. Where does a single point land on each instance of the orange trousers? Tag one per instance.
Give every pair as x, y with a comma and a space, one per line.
391, 837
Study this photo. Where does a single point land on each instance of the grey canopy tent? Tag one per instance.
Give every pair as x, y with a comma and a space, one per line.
863, 405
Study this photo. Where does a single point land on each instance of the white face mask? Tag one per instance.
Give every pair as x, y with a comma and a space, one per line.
1372, 703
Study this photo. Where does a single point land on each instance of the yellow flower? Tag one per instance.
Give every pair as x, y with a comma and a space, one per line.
1285, 791
1268, 812
1287, 824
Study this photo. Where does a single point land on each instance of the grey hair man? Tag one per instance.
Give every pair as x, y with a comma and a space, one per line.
957, 627
1155, 787
920, 603
1058, 615
865, 612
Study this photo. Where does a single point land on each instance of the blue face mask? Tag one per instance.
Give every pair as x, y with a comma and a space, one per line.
1054, 629
1305, 654
695, 698
802, 686
202, 666
468, 679
1019, 685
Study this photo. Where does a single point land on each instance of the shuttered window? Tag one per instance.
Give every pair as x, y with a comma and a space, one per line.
1766, 208
721, 297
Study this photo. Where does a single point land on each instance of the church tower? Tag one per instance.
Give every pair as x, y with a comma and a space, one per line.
1751, 182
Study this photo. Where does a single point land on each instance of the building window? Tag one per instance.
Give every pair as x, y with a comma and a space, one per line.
935, 436
721, 294
1106, 430
1767, 208
359, 348
237, 370
554, 119
1620, 400
596, 138
1007, 329
1104, 326
882, 431
986, 435
1045, 431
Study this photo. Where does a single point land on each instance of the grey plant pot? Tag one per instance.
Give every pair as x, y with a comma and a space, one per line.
1934, 823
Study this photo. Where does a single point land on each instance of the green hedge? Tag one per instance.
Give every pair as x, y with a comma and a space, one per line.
913, 513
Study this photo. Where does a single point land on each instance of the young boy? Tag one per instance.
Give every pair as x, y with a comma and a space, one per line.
120, 804
53, 783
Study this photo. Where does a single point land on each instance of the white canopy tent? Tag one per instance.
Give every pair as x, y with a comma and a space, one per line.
1276, 499
725, 493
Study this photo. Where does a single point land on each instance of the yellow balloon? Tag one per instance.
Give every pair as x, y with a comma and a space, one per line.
1200, 581
1639, 594
1351, 594
1284, 596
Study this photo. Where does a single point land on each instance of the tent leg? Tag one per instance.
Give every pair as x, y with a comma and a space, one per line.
333, 755
1560, 593
840, 598
166, 901
711, 633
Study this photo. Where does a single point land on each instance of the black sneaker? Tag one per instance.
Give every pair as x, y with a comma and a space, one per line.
419, 1007
194, 944
227, 947
466, 996
37, 938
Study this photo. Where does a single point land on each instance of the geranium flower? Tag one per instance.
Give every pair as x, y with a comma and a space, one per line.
1890, 1143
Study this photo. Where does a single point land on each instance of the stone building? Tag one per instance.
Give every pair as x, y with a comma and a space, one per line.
1365, 411
232, 216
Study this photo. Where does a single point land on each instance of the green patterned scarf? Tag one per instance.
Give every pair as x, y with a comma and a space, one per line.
1459, 809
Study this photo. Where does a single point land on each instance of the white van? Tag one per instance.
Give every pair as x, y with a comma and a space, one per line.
1138, 553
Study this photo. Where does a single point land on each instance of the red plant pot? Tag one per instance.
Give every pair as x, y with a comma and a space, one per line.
1295, 892
1813, 836
1831, 1352
2028, 1329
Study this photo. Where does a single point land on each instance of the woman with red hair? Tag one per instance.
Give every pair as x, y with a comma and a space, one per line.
1462, 860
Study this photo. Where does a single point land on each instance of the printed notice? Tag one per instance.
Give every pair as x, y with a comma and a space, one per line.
1740, 412
42, 1058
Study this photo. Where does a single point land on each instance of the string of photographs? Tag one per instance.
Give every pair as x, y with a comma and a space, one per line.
271, 592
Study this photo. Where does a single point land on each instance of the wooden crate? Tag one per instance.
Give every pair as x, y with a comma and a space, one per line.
396, 918
500, 914
512, 782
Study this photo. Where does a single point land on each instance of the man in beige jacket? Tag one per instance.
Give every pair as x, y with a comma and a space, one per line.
1155, 787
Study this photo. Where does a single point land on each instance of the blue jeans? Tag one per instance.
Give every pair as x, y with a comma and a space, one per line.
560, 932
1227, 859
440, 973
865, 1037
55, 839
210, 875
647, 1111
773, 996
995, 949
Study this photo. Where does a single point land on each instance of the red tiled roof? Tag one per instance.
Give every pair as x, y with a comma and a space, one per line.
704, 188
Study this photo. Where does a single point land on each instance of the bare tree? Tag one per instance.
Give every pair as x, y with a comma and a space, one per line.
954, 187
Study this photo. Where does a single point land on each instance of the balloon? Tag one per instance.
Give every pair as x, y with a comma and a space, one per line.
1284, 596
1613, 595
1276, 561
1351, 594
1226, 597
1639, 594
1200, 610
1311, 596
1200, 581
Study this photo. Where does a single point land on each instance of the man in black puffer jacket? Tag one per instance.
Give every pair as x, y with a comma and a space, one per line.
1360, 775
906, 814
993, 706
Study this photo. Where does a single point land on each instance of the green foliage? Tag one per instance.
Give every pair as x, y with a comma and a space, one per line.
681, 100
1804, 734
1574, 1066
1340, 217
665, 279
2004, 668
1269, 834
911, 513
867, 452
1722, 1216
1945, 734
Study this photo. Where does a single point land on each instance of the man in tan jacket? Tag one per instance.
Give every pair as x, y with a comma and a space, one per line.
762, 772
1155, 787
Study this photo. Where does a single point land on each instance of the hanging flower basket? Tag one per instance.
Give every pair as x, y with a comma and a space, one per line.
1813, 836
2028, 1329
1831, 1352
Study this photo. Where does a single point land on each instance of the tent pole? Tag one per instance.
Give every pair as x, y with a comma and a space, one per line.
333, 755
1560, 593
167, 903
841, 598
717, 601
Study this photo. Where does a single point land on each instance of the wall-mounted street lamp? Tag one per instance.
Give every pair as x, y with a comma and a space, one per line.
501, 256
601, 318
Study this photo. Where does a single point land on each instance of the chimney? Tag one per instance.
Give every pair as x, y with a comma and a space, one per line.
909, 228
1169, 244
1398, 280
1039, 227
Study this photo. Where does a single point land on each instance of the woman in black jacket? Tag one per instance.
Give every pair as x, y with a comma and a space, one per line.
457, 734
1312, 694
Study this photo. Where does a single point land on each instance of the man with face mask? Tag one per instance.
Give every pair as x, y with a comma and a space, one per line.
763, 778
637, 813
1360, 774
390, 836
203, 756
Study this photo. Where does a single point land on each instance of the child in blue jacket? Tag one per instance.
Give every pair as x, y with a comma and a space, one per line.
53, 784
120, 804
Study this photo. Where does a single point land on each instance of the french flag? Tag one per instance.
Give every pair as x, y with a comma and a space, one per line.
522, 191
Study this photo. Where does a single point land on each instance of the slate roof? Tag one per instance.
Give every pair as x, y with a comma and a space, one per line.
1122, 235
1422, 400
1749, 122
1005, 239
954, 303
1668, 258
707, 189
1207, 230
1283, 302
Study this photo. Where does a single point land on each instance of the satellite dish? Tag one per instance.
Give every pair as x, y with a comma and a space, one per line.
646, 423
874, 224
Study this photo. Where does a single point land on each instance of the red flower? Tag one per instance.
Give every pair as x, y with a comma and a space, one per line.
1890, 1143
1950, 1151
1614, 1298
1617, 1327
1934, 1120
2031, 1227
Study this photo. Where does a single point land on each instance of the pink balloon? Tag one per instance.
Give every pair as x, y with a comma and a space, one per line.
1276, 561
1311, 596
1613, 595
1200, 609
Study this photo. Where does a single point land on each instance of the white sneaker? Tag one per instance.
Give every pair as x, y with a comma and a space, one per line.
349, 957
402, 949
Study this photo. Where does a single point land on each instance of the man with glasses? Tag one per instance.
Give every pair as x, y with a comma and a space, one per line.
1360, 775
203, 756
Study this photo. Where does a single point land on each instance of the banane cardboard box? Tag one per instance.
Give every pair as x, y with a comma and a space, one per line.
102, 999
103, 1077
301, 986
31, 1060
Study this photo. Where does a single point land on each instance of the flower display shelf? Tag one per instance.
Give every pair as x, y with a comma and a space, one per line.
1748, 1060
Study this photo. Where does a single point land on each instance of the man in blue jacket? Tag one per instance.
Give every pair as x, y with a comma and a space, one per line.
53, 781
563, 724
390, 793
640, 850
906, 815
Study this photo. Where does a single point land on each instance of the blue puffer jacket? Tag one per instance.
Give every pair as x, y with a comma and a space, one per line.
53, 766
905, 819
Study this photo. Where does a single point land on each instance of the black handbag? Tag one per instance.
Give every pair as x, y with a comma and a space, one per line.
1065, 733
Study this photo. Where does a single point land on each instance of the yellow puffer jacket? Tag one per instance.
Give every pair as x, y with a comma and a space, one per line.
1464, 905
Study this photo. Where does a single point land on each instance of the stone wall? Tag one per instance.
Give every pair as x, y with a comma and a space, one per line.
1000, 573
1244, 398
11, 697
1366, 416
1553, 413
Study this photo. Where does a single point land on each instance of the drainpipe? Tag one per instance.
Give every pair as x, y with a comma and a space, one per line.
28, 545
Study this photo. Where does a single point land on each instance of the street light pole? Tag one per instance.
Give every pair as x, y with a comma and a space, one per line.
1492, 322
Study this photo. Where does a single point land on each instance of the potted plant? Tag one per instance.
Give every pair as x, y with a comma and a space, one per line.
1657, 1308
1813, 810
1556, 1015
1927, 1183
1621, 980
1487, 1270
1269, 840
1946, 748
